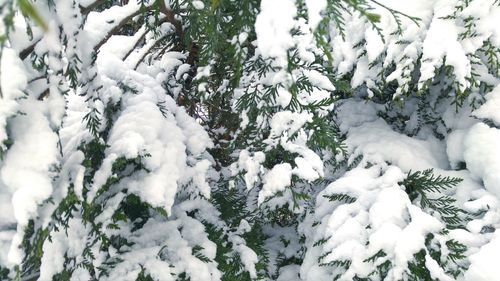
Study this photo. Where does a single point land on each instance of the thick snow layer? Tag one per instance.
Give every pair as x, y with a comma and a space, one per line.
99, 24
484, 265
376, 141
482, 155
352, 113
273, 26
29, 181
397, 226
442, 41
12, 83
168, 138
45, 160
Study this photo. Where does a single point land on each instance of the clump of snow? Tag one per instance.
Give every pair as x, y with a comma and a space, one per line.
376, 141
198, 5
165, 138
289, 273
309, 164
277, 179
283, 97
287, 122
252, 165
314, 9
491, 108
484, 266
365, 112
12, 83
442, 41
482, 155
249, 259
319, 80
99, 24
273, 26
29, 181
33, 139
54, 250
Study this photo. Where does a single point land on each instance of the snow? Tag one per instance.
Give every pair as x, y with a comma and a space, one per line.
178, 252
482, 156
287, 122
120, 45
436, 40
289, 273
252, 166
376, 141
455, 146
273, 25
249, 259
33, 139
436, 271
277, 179
283, 97
319, 80
29, 182
143, 129
442, 41
484, 266
12, 83
364, 112
46, 158
396, 226
314, 9
305, 170
99, 24
374, 44
309, 164
53, 260
198, 5
491, 108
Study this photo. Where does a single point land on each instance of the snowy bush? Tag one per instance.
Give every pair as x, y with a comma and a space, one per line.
249, 140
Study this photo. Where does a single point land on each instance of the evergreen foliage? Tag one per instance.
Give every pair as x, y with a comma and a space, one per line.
423, 184
248, 140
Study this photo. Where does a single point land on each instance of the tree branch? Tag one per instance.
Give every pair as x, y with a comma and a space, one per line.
170, 15
28, 50
116, 29
87, 9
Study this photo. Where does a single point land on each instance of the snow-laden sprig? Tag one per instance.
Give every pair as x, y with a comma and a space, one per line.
285, 96
355, 233
407, 49
424, 183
